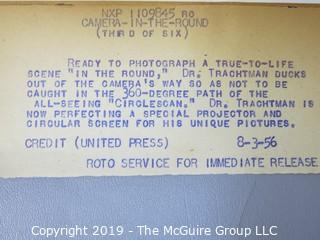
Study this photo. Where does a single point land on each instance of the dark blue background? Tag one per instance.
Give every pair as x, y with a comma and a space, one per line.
290, 201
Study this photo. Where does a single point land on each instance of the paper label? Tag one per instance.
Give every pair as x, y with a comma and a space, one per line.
157, 89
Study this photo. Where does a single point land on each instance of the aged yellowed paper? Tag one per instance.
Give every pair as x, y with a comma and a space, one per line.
157, 89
